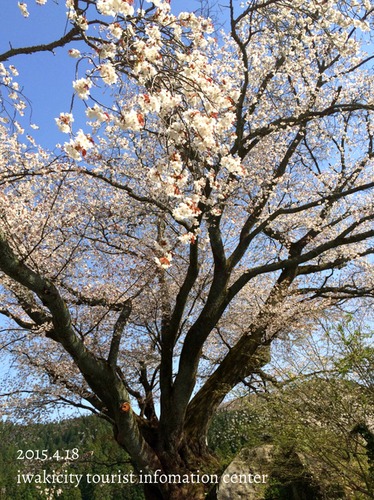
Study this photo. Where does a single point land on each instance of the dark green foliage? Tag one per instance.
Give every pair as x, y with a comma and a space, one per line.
98, 454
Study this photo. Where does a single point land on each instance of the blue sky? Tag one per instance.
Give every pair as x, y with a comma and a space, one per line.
46, 78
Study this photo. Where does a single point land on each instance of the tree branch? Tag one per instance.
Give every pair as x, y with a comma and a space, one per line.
117, 334
49, 47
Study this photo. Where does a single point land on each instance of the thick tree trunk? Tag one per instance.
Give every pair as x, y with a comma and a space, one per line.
197, 475
189, 471
177, 484
176, 492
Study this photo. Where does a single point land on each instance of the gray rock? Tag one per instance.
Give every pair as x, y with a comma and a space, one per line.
248, 474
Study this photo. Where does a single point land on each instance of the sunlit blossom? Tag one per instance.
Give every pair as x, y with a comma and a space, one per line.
82, 87
23, 8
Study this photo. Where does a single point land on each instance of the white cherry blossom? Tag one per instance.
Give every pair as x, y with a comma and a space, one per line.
82, 87
23, 8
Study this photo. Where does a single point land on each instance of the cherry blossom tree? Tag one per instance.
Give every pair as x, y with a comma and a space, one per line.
218, 197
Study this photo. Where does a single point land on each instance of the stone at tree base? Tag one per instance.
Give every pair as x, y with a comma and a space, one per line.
253, 461
290, 474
